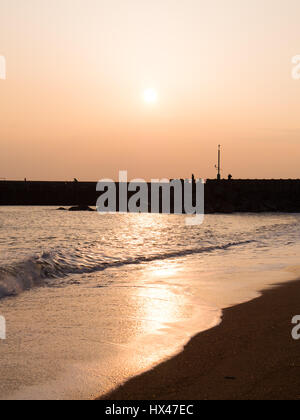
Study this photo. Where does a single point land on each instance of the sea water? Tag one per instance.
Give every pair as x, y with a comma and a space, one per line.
91, 300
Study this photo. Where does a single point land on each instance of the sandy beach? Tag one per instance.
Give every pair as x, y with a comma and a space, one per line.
250, 355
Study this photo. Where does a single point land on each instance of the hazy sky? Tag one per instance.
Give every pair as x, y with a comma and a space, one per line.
72, 103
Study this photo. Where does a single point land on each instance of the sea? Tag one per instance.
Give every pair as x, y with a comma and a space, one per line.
90, 300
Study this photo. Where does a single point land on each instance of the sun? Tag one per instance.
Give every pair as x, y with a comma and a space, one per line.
150, 96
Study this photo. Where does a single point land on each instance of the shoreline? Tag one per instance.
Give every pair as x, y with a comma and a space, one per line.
251, 355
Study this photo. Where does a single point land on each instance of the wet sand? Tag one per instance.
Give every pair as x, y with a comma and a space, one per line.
250, 355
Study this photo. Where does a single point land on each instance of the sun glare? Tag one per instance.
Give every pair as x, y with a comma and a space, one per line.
150, 96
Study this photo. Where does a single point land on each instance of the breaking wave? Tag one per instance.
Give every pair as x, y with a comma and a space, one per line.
35, 271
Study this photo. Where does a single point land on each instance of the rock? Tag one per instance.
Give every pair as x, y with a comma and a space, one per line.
62, 209
81, 208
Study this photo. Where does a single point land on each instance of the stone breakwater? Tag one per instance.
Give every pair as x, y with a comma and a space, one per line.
225, 196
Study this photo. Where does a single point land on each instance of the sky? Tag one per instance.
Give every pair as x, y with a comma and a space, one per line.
72, 103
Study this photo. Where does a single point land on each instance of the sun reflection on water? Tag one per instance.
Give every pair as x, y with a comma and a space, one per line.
160, 302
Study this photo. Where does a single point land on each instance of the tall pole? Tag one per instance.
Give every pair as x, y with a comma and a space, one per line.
219, 163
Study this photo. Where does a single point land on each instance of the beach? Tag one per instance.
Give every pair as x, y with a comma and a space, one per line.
92, 301
250, 356
149, 201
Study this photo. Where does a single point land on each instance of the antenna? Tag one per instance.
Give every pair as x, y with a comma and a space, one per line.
219, 163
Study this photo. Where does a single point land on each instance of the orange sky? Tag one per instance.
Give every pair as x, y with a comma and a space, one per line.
72, 103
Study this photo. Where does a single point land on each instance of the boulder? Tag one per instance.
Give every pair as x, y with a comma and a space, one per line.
81, 208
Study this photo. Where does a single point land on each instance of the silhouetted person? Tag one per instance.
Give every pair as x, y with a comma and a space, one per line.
229, 177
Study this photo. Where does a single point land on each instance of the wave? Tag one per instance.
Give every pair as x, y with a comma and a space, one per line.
35, 271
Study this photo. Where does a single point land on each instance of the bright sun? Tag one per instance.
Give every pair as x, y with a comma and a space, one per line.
150, 96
